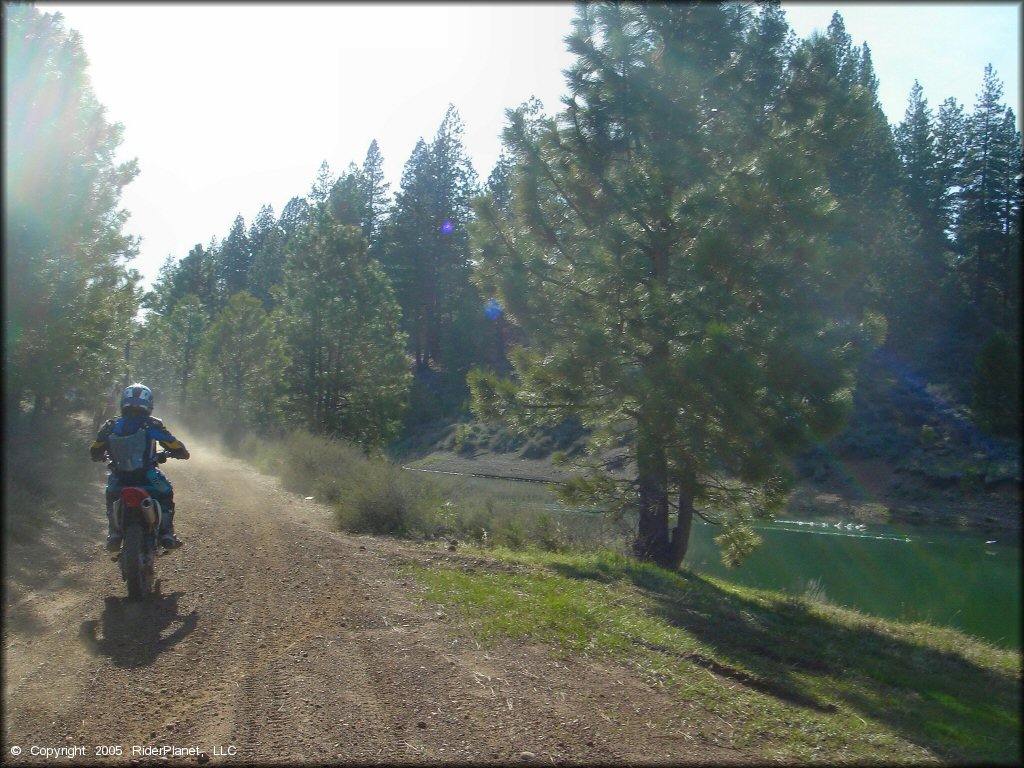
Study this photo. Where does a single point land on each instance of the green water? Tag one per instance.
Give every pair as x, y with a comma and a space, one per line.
944, 577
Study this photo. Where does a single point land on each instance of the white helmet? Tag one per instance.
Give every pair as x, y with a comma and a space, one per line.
137, 397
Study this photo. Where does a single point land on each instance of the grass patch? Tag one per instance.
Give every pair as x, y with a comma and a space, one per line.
796, 679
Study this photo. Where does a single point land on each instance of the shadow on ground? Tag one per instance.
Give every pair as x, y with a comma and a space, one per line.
939, 700
131, 633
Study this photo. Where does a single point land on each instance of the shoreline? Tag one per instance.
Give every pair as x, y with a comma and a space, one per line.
868, 504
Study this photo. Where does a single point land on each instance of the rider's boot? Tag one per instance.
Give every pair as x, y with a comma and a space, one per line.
168, 540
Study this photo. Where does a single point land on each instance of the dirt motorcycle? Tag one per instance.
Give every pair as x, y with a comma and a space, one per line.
137, 517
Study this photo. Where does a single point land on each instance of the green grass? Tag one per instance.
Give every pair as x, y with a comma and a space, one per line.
798, 680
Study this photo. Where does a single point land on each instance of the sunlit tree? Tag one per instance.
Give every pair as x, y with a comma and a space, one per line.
69, 297
677, 274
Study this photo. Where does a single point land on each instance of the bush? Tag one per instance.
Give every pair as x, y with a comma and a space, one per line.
46, 468
510, 532
387, 501
375, 496
467, 439
548, 533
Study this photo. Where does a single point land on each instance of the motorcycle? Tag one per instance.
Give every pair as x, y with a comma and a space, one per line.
137, 517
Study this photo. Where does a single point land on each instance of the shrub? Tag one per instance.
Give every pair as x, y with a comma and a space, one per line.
510, 532
47, 468
548, 533
386, 501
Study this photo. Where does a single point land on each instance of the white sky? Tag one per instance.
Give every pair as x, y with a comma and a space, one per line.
229, 107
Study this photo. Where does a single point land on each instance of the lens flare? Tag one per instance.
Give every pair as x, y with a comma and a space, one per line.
492, 309
447, 227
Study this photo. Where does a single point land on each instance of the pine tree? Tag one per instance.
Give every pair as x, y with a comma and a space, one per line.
377, 196
915, 142
295, 215
987, 227
831, 97
194, 275
235, 259
925, 193
452, 338
677, 280
69, 297
321, 188
767, 48
996, 387
168, 348
349, 374
240, 368
406, 260
951, 148
427, 256
499, 183
1009, 190
262, 227
347, 203
266, 239
845, 58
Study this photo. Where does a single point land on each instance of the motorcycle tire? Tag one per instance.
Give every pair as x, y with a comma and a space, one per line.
138, 577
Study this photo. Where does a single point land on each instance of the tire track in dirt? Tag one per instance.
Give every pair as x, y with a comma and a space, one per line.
276, 637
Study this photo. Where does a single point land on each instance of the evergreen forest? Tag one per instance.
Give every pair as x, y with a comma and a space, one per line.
716, 258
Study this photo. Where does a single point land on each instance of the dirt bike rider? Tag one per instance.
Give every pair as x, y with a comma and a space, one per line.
130, 444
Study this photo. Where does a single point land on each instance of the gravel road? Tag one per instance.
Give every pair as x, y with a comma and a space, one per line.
274, 639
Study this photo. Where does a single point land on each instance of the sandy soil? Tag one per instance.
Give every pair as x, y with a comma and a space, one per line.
276, 640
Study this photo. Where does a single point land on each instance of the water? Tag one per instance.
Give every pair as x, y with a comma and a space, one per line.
946, 577
950, 578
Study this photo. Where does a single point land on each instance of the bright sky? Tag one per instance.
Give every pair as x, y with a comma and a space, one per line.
230, 107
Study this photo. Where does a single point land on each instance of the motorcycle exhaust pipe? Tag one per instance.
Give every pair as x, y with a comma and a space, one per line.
159, 511
118, 517
149, 513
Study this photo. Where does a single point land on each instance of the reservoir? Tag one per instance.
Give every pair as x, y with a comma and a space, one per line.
966, 579
970, 580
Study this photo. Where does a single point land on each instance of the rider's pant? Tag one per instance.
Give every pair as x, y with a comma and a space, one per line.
159, 488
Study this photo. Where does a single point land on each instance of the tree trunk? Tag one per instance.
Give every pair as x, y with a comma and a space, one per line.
652, 540
681, 533
655, 542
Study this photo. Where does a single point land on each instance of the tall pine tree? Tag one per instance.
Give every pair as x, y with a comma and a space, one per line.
349, 374
679, 278
376, 196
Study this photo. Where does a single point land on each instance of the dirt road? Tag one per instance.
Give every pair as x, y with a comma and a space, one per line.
275, 639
